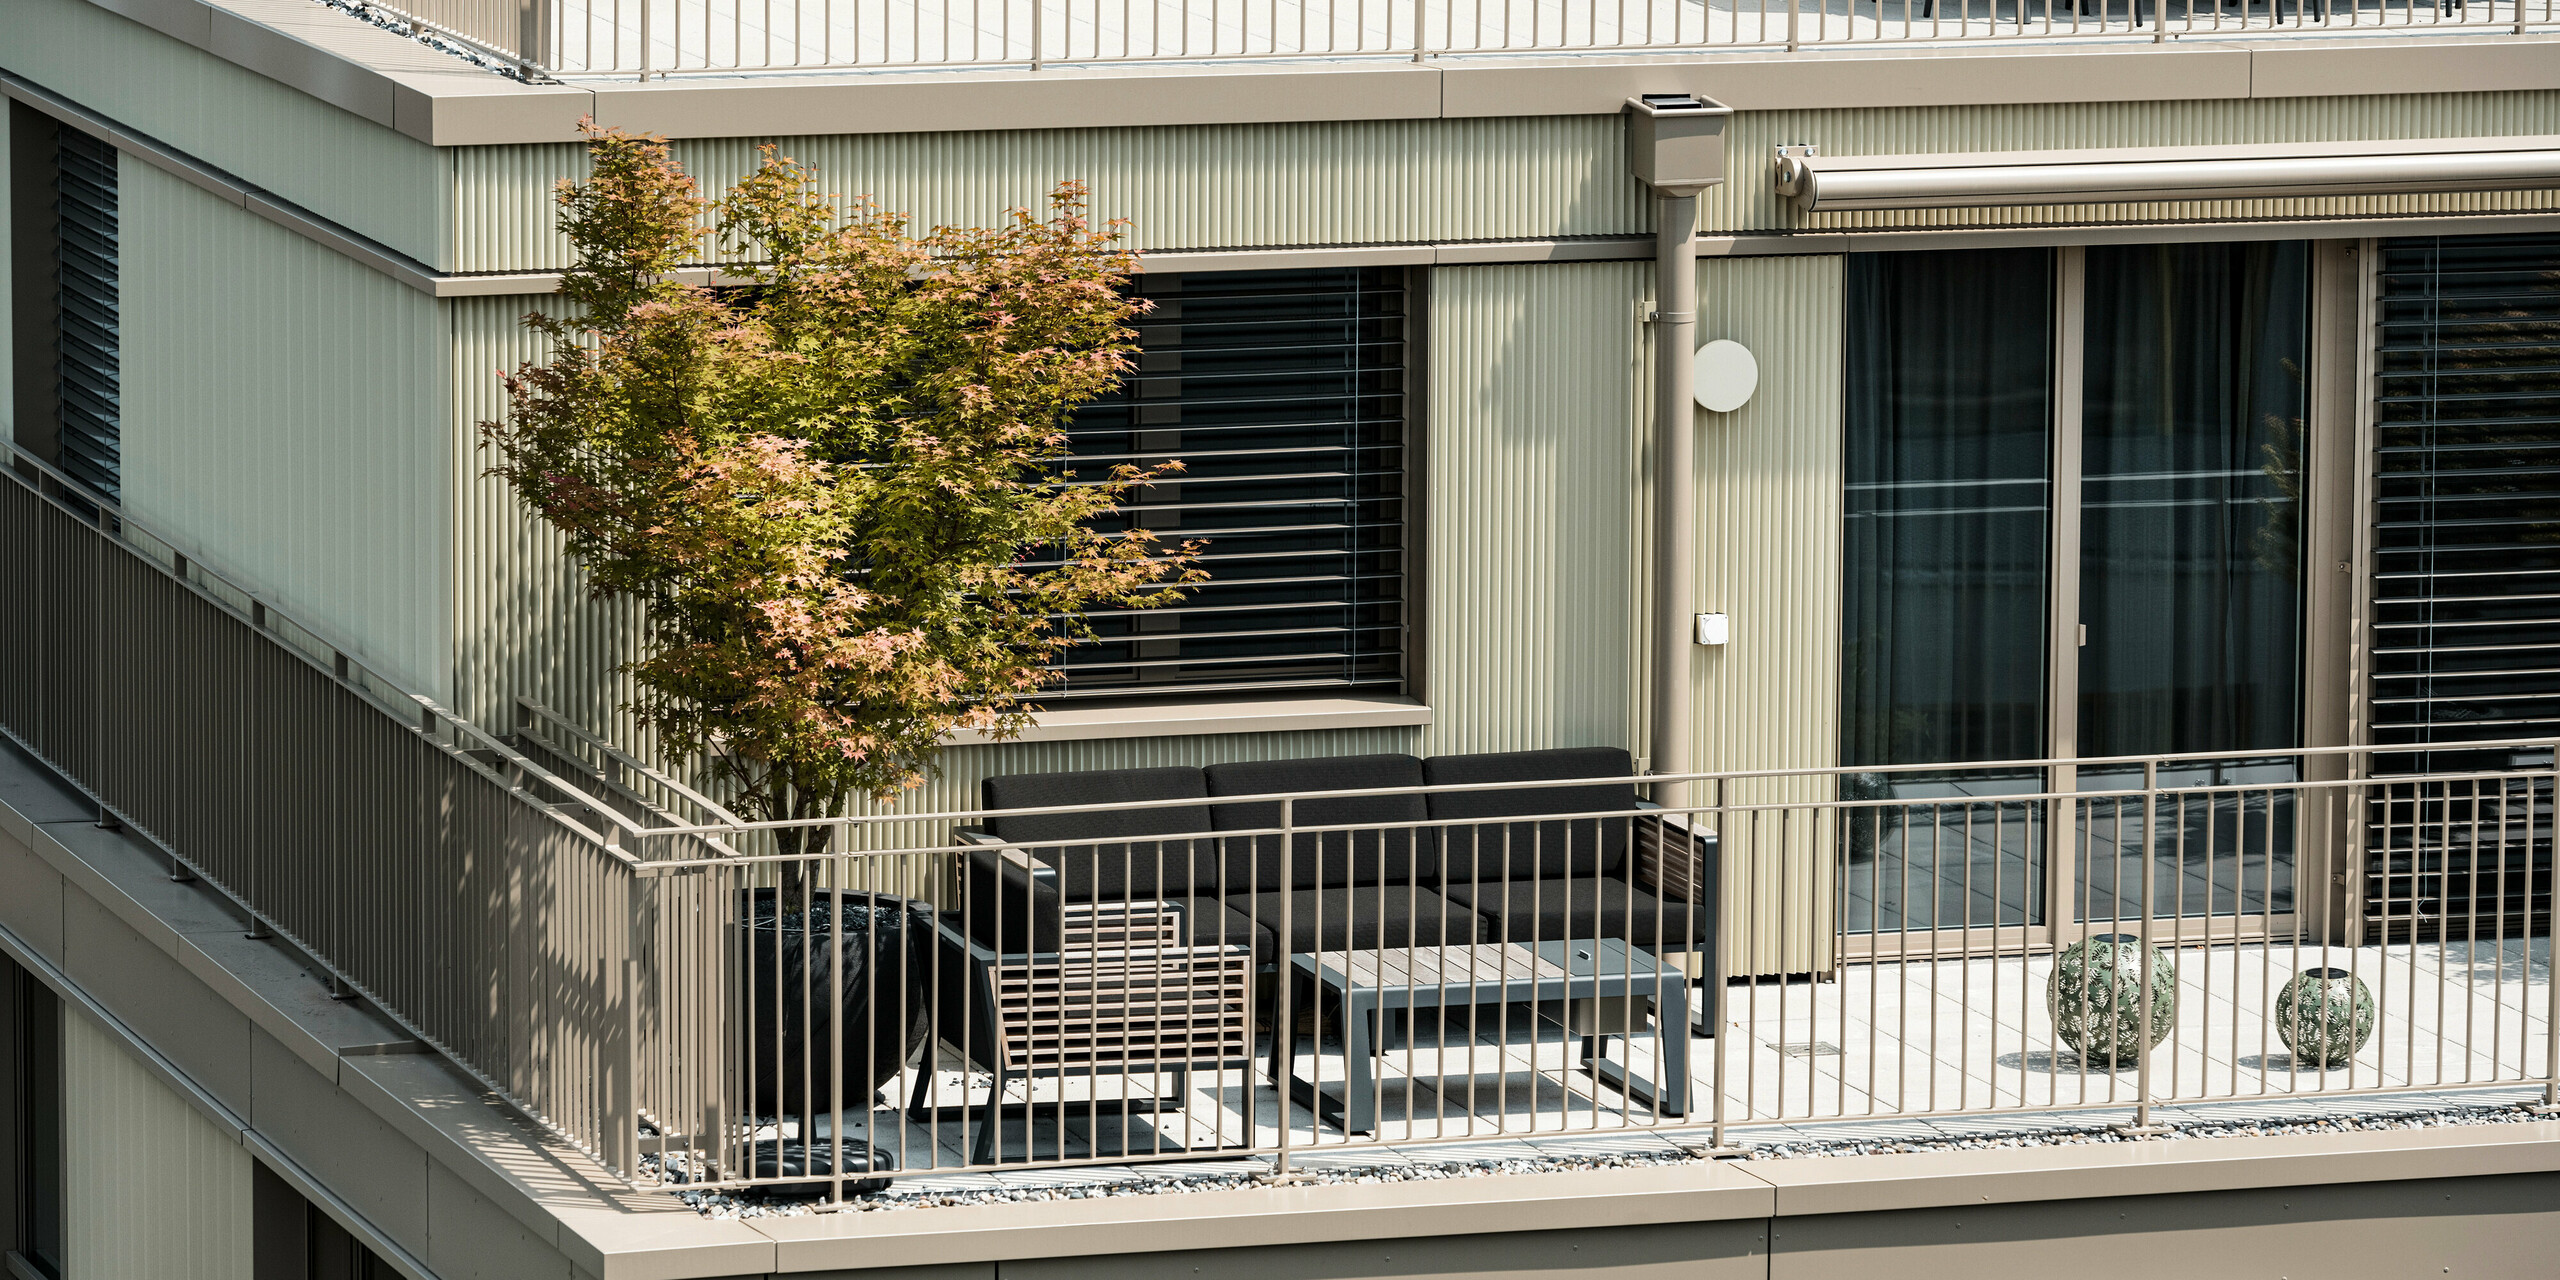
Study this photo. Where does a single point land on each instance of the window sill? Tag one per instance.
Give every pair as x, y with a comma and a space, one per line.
1174, 719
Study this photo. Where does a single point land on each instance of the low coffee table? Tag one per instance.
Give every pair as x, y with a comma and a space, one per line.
1366, 984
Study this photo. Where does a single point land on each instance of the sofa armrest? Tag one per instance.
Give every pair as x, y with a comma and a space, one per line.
1680, 870
1011, 899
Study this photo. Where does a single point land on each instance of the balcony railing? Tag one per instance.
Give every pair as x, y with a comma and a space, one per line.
644, 38
1290, 975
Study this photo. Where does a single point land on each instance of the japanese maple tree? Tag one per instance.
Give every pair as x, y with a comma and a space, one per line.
834, 490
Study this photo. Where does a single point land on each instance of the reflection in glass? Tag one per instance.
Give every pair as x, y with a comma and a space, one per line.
1949, 365
2190, 572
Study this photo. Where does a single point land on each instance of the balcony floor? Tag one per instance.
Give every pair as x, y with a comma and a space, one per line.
1890, 1052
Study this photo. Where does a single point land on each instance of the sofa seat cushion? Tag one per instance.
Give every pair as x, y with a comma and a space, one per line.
1578, 908
1363, 918
1207, 921
1333, 859
1475, 849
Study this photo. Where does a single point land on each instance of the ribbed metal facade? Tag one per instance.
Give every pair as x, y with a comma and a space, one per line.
286, 420
150, 1187
341, 166
1190, 187
524, 625
8, 320
1748, 201
1535, 466
1769, 478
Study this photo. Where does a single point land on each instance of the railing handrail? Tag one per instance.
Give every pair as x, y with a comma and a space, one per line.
1640, 779
669, 866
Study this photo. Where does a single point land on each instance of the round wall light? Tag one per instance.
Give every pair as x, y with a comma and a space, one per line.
1726, 375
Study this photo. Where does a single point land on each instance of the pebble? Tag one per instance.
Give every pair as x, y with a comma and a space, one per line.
393, 23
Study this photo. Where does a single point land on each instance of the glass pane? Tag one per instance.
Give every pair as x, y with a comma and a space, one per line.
1942, 659
2190, 573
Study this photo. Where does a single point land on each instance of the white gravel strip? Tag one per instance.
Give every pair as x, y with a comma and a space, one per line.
397, 25
1451, 1164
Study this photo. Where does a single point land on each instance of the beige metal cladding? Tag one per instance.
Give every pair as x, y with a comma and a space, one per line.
1769, 477
8, 343
1534, 460
150, 1187
1188, 187
1750, 200
340, 166
285, 419
525, 626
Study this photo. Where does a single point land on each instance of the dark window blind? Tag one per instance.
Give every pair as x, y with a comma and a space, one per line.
86, 292
2466, 578
1284, 395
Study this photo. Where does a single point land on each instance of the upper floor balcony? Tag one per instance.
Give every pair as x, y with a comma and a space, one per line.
645, 39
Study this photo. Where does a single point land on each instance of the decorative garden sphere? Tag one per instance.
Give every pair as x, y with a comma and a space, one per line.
2095, 998
2324, 1016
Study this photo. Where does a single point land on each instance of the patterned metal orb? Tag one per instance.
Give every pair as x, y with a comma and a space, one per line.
2324, 1016
2095, 998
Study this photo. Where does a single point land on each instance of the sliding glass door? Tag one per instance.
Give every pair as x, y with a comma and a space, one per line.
2072, 502
2191, 427
1948, 488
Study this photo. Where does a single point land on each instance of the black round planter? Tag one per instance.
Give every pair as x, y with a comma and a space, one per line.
788, 1159
877, 1018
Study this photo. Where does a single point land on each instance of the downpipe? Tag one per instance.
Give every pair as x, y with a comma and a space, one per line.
1675, 145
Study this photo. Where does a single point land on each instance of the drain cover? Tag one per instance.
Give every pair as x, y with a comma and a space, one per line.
1817, 1049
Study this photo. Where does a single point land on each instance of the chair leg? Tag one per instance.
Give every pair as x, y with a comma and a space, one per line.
983, 1151
924, 1085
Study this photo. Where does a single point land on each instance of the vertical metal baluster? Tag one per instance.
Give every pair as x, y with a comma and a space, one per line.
2150, 842
2551, 964
1875, 953
2177, 924
2498, 931
1284, 1028
1751, 961
836, 868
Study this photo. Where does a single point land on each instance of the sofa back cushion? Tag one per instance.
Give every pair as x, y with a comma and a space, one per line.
1476, 851
1127, 867
1327, 860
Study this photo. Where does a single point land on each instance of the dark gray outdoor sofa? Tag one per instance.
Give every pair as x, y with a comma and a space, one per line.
1456, 874
1128, 952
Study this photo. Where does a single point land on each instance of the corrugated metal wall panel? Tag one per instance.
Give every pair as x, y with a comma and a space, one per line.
1534, 459
341, 166
1769, 525
8, 343
525, 625
286, 422
1748, 201
1208, 186
150, 1187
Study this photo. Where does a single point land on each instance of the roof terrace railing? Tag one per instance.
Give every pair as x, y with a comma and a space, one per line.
649, 38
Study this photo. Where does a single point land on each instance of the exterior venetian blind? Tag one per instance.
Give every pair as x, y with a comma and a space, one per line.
85, 290
1284, 395
2466, 577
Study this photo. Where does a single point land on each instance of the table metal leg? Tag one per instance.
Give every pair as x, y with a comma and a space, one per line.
1671, 1047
